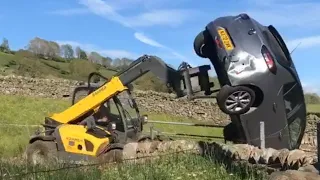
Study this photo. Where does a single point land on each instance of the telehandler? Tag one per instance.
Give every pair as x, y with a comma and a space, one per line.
97, 126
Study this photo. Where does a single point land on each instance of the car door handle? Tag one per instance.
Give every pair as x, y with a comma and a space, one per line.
274, 107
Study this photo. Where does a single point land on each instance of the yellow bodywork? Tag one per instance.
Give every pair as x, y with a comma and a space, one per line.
90, 102
73, 139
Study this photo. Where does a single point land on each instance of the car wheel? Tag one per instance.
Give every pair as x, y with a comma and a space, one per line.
199, 45
41, 152
235, 100
113, 155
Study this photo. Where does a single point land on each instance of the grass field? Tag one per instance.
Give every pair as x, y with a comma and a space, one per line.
171, 167
20, 110
313, 108
17, 113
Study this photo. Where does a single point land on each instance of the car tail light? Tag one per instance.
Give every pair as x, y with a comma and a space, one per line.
268, 59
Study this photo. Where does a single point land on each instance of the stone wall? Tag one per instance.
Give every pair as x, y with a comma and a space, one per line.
148, 100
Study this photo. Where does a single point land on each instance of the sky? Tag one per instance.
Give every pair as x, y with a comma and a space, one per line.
166, 28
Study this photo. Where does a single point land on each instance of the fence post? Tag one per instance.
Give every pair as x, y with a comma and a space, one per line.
262, 135
151, 131
318, 141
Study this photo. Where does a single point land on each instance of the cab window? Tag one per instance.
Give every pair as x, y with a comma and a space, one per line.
128, 108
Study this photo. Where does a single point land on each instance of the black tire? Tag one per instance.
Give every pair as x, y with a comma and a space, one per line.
232, 133
41, 153
199, 44
113, 155
225, 94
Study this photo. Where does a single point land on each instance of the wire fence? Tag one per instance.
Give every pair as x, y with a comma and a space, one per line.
73, 166
152, 132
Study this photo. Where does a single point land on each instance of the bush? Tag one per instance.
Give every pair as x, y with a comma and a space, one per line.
151, 82
80, 69
312, 98
25, 54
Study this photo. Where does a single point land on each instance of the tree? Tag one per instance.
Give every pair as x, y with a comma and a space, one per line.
4, 47
43, 48
312, 98
83, 55
95, 57
106, 61
54, 49
78, 52
67, 51
122, 63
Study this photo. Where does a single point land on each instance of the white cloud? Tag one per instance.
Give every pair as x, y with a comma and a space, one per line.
285, 13
311, 88
305, 42
171, 17
112, 53
173, 54
143, 38
146, 4
70, 12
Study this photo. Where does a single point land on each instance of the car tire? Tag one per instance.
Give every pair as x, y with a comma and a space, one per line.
41, 153
112, 156
230, 99
199, 44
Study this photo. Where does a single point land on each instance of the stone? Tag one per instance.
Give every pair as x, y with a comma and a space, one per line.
293, 175
147, 100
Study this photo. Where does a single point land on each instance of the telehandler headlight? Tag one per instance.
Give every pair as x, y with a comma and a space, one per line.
113, 126
144, 119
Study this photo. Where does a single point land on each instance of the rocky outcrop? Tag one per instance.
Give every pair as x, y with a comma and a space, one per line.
148, 100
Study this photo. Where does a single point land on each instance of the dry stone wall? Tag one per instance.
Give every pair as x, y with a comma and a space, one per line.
148, 100
198, 109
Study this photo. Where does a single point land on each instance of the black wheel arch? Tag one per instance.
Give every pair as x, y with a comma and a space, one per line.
41, 138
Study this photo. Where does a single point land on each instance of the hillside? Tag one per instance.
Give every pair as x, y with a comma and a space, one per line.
27, 64
47, 59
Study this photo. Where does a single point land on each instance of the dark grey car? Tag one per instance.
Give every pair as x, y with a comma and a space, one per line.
258, 81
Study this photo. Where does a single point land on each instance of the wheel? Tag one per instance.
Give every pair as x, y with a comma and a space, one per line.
235, 100
199, 44
41, 152
113, 155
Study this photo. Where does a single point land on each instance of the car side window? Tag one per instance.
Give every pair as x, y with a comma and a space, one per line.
294, 112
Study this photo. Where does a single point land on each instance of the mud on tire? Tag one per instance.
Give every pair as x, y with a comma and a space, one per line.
41, 153
113, 155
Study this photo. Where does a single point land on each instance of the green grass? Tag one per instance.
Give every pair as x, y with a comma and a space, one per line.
35, 67
172, 167
313, 108
31, 111
20, 110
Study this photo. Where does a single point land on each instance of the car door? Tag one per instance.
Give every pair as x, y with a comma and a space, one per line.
292, 92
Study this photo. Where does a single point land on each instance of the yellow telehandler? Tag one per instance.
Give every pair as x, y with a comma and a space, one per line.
98, 125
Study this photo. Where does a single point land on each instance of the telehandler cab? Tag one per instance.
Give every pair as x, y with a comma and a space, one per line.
77, 134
